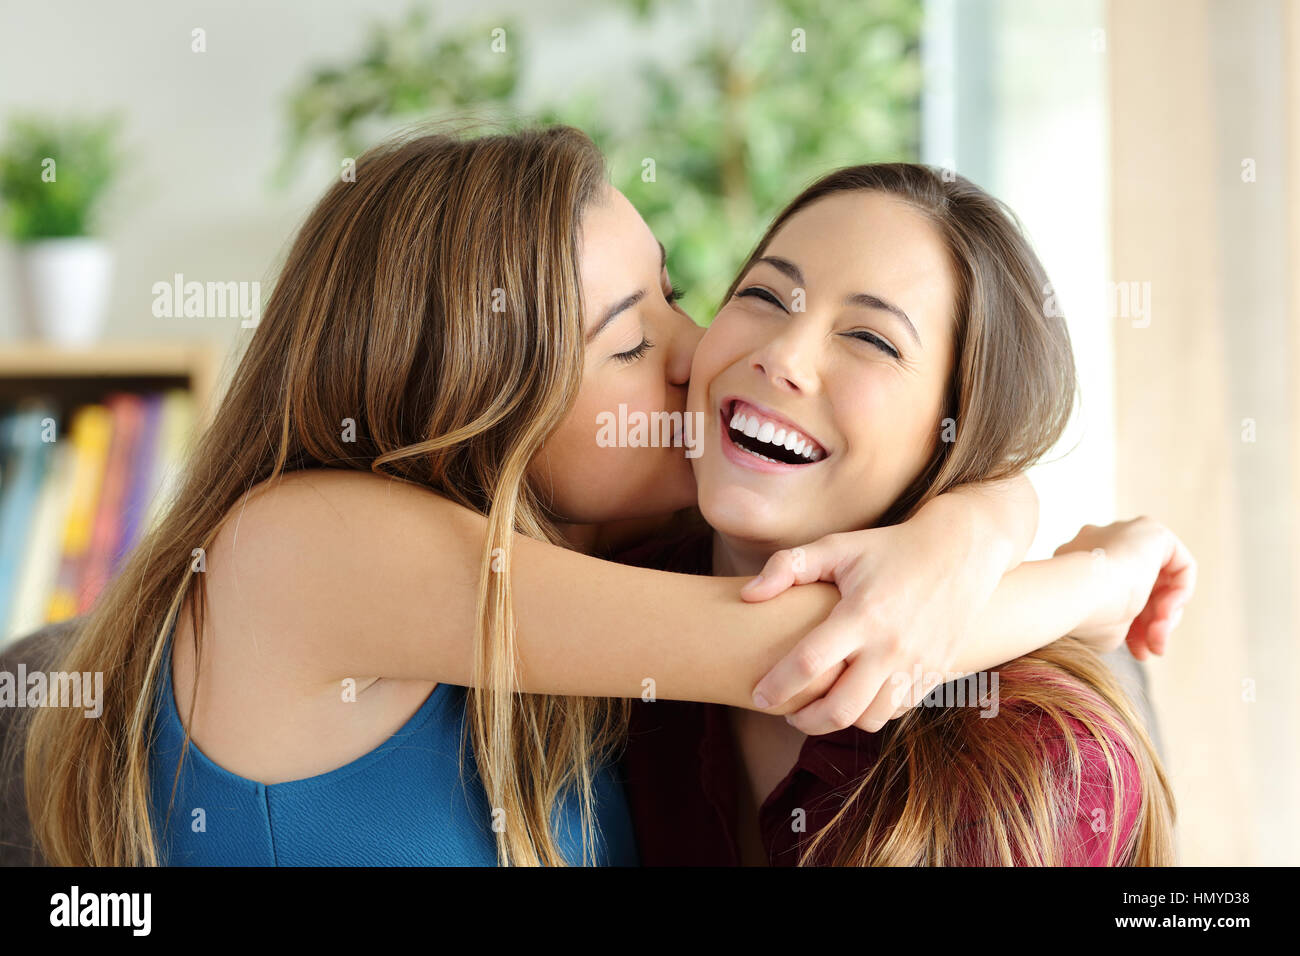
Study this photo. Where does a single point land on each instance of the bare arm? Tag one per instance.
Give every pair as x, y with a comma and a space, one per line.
1034, 605
350, 575
915, 591
356, 575
997, 520
1106, 585
1028, 605
1128, 579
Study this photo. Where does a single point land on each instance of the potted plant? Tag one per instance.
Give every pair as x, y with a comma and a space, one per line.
53, 179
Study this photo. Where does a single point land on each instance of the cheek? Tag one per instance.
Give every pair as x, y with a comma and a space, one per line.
592, 483
892, 424
570, 452
723, 344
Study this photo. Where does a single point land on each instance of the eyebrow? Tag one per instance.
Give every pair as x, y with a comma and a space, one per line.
622, 305
864, 299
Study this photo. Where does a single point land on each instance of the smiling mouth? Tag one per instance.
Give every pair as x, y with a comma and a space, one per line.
768, 439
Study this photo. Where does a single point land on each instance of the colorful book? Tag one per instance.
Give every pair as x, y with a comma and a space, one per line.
40, 569
128, 416
73, 508
90, 434
27, 454
179, 416
141, 486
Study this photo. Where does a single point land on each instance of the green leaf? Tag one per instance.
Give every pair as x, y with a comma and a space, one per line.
54, 175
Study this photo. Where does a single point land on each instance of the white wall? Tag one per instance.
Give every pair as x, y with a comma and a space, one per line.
1016, 101
205, 130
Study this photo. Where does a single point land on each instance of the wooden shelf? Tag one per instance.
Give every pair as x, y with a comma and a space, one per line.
52, 367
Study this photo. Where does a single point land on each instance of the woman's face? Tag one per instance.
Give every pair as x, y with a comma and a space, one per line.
822, 380
638, 355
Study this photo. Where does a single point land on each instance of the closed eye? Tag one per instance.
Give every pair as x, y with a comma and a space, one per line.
862, 335
631, 355
870, 337
759, 292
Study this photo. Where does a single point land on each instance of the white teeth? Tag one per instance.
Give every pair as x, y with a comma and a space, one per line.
769, 432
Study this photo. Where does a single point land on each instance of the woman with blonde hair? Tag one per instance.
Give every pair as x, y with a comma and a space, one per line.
370, 627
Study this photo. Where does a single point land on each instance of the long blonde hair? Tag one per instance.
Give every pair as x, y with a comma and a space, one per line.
436, 302
951, 786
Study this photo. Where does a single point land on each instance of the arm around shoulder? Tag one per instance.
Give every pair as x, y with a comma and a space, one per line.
367, 576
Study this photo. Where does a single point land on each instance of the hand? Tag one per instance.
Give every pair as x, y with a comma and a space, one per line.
1146, 576
909, 592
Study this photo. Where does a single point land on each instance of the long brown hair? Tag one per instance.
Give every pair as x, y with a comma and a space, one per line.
953, 786
434, 301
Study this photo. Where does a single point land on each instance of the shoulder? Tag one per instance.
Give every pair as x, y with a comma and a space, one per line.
317, 558
304, 497
308, 520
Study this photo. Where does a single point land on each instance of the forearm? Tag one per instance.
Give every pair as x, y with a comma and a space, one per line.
691, 635
346, 575
996, 520
1034, 605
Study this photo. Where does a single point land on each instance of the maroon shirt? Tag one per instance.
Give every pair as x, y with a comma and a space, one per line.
682, 772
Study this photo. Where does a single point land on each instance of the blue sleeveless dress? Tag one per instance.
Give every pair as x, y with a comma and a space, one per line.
402, 804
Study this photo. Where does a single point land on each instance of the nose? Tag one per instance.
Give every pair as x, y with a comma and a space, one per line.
787, 358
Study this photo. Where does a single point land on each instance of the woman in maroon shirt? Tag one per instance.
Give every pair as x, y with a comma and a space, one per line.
886, 341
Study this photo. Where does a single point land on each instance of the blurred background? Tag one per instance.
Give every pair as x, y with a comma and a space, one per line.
156, 159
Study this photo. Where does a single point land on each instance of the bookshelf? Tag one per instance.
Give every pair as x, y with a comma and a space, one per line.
74, 376
74, 499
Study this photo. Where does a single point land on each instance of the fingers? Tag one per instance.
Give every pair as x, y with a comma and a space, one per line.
1158, 635
1143, 629
911, 694
899, 693
1173, 589
1150, 630
836, 639
875, 675
1137, 637
1175, 583
1167, 611
1178, 573
866, 680
784, 569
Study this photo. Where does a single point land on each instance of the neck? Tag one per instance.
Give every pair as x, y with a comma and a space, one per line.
580, 537
738, 557
613, 536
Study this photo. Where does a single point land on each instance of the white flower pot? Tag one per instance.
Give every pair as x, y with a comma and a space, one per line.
64, 287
